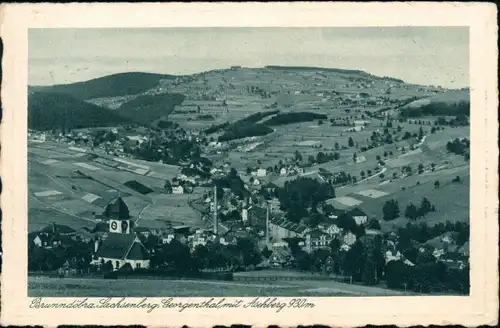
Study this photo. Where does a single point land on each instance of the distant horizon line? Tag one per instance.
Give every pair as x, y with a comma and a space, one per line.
271, 66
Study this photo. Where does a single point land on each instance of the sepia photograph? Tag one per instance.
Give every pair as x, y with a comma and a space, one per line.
248, 161
280, 164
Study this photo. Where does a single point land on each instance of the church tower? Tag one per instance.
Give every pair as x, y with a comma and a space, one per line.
118, 217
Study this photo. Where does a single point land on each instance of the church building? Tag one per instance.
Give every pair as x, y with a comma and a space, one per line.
121, 245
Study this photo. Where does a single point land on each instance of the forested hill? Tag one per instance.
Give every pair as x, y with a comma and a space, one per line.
47, 111
115, 85
147, 108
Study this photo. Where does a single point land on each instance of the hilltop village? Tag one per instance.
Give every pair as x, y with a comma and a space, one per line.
341, 173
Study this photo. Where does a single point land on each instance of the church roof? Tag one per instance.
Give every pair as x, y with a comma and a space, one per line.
117, 209
122, 246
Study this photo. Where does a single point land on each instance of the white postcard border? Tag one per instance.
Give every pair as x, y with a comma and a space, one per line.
480, 307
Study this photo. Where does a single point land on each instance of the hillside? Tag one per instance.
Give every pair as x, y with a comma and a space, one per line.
331, 70
453, 102
108, 86
47, 111
147, 108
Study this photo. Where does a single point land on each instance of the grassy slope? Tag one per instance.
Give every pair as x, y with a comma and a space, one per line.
55, 111
452, 96
451, 201
108, 86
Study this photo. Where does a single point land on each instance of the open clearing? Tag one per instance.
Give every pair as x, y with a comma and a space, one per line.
346, 201
372, 193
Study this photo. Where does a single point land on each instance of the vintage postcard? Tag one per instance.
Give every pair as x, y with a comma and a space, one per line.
285, 164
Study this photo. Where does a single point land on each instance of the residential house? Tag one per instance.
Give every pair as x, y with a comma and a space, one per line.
60, 229
200, 238
317, 239
281, 257
253, 215
261, 172
358, 215
349, 239
333, 230
270, 187
283, 171
391, 255
177, 189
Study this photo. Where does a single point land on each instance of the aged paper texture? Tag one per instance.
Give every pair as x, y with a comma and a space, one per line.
259, 164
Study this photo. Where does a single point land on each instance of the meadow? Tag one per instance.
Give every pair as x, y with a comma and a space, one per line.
80, 287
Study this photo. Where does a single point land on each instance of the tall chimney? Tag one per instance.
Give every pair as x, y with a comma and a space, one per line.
216, 224
267, 224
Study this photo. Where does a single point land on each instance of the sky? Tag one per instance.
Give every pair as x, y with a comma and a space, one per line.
421, 55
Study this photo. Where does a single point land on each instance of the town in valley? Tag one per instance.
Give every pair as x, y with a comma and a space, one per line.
248, 181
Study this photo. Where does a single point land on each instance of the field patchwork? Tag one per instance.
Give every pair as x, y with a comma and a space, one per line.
47, 193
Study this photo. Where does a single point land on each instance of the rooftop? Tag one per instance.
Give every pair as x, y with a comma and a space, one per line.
122, 246
117, 209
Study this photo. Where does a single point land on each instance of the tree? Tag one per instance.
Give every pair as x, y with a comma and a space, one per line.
266, 252
436, 184
397, 274
425, 207
378, 157
298, 156
354, 157
303, 260
420, 133
420, 168
355, 260
390, 210
411, 212
168, 187
350, 142
362, 174
337, 146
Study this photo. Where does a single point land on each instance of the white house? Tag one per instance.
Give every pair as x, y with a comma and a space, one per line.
345, 247
177, 190
391, 256
244, 215
349, 239
359, 216
283, 171
333, 230
261, 172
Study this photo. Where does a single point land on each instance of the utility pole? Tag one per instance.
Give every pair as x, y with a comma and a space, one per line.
216, 224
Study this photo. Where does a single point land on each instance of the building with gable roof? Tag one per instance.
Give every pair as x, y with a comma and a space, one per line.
280, 228
121, 245
317, 239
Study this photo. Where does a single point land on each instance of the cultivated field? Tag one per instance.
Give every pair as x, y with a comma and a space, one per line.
68, 187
